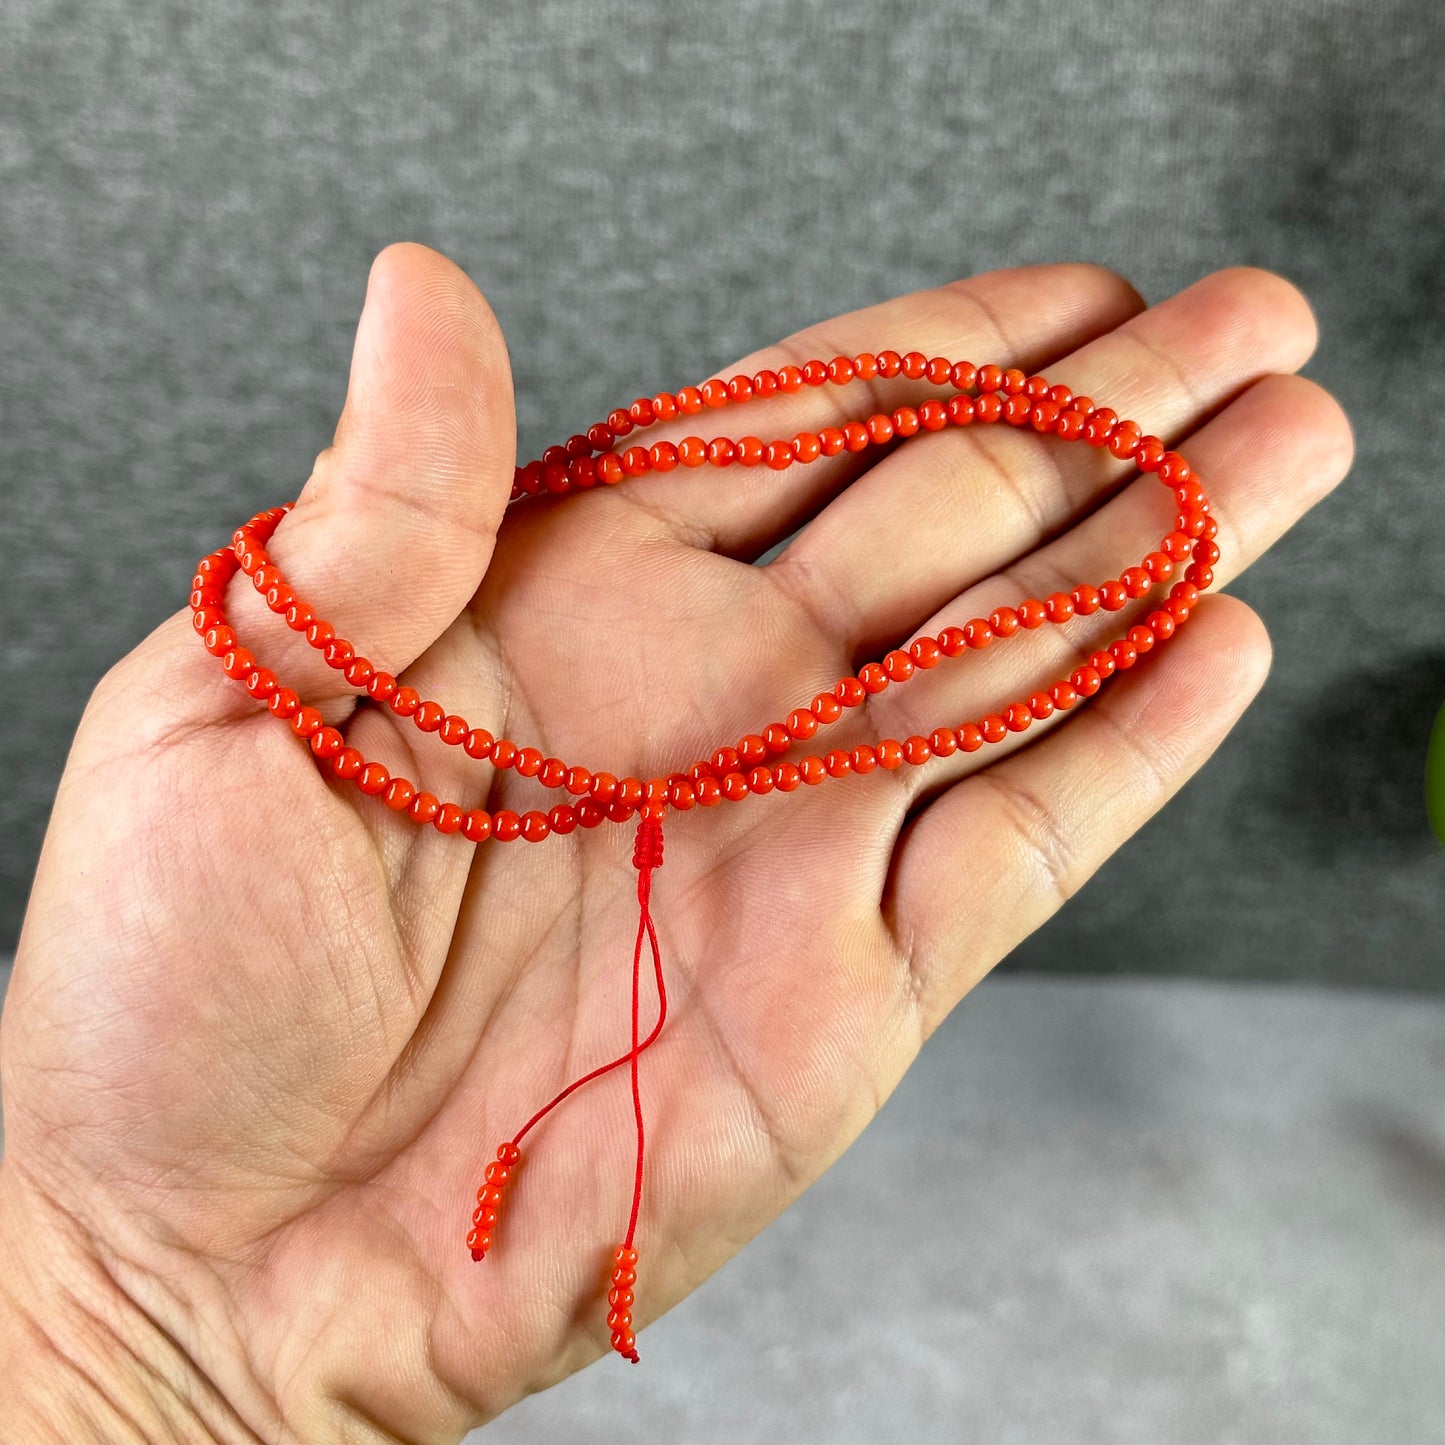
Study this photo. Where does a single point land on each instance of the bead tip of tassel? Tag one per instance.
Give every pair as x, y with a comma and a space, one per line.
624, 1276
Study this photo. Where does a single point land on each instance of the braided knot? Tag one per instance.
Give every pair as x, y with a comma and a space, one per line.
647, 847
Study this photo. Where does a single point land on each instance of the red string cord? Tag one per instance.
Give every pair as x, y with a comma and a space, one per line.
621, 1059
646, 857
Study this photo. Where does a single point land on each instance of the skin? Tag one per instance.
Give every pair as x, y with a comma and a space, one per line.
263, 1034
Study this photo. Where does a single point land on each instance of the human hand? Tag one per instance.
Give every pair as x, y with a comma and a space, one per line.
263, 1034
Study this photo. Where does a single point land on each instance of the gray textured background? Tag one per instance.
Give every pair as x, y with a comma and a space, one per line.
1155, 1212
190, 197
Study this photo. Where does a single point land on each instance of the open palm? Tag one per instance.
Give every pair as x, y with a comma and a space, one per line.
264, 1034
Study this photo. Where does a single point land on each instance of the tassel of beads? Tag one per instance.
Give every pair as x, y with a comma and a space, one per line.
619, 1298
646, 856
489, 1200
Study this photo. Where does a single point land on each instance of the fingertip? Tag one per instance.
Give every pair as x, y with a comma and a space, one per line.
428, 421
1089, 289
1256, 647
415, 282
1101, 290
422, 308
1241, 647
403, 263
1108, 285
1326, 427
1270, 311
425, 336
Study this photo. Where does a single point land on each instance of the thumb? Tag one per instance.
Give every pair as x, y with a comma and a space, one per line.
392, 533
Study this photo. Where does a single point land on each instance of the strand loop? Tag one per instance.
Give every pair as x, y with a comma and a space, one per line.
752, 766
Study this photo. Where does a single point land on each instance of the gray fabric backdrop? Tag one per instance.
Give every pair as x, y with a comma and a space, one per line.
190, 197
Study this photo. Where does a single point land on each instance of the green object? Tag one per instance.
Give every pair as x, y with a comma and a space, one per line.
1435, 777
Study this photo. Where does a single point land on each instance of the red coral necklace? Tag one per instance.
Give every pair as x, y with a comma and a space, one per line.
752, 766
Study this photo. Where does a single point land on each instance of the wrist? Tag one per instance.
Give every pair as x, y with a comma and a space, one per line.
86, 1362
